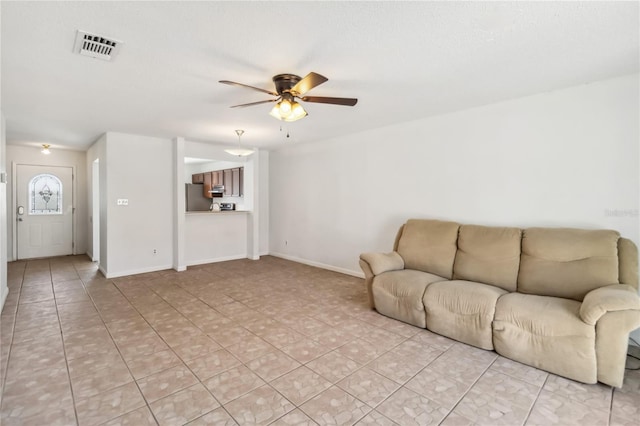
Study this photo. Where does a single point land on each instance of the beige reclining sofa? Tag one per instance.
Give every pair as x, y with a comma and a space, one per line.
559, 299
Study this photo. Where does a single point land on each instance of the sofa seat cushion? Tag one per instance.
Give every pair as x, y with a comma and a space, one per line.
462, 310
545, 332
398, 294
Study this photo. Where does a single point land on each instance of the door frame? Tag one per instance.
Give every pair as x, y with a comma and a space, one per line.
14, 204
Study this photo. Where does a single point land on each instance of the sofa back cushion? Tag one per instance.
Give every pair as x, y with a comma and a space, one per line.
489, 255
566, 262
429, 246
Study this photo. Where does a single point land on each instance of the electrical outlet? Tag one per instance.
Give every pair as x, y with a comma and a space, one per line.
122, 202
155, 251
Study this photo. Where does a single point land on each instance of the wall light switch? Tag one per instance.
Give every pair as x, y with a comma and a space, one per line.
122, 202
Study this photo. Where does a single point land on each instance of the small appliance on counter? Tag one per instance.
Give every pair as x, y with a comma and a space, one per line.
227, 206
215, 207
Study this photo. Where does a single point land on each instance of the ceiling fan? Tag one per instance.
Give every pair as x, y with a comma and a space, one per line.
290, 87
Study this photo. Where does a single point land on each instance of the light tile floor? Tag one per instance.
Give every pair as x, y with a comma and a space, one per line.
256, 342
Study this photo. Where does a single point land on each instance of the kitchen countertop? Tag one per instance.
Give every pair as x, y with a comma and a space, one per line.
220, 212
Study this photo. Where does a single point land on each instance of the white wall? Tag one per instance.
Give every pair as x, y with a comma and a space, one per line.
98, 151
215, 237
59, 157
564, 158
5, 241
263, 202
140, 169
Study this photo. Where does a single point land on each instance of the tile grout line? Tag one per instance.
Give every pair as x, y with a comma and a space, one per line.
64, 349
178, 356
526, 419
121, 357
173, 300
13, 332
268, 383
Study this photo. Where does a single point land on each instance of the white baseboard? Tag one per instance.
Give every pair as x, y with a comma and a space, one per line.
216, 259
5, 293
319, 265
136, 271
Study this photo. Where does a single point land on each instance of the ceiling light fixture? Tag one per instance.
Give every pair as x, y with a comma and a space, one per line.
288, 110
45, 149
240, 152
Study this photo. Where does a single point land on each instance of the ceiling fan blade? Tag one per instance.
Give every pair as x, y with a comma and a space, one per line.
233, 83
326, 100
310, 81
253, 103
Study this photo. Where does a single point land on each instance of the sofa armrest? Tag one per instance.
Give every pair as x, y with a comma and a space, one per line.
383, 262
611, 298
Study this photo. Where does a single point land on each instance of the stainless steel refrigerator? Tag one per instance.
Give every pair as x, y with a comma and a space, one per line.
196, 201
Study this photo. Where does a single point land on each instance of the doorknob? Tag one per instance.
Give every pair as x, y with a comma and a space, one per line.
20, 210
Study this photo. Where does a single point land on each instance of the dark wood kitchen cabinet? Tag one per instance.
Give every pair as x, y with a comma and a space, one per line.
232, 179
228, 182
216, 178
208, 184
235, 182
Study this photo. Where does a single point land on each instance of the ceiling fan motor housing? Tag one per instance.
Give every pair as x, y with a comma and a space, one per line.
284, 82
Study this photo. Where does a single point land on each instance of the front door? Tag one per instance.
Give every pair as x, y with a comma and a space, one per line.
44, 214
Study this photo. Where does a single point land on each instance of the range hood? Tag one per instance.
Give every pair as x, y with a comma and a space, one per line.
217, 191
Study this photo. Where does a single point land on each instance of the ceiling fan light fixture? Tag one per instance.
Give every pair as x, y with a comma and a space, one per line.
297, 112
45, 149
285, 108
275, 112
239, 151
288, 111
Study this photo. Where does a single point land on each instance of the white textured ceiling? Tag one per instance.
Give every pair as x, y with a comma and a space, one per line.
402, 60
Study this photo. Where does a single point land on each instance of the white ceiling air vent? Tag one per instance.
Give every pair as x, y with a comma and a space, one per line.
96, 46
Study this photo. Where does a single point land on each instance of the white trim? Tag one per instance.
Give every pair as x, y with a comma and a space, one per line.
74, 215
14, 205
319, 265
217, 259
136, 271
4, 297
